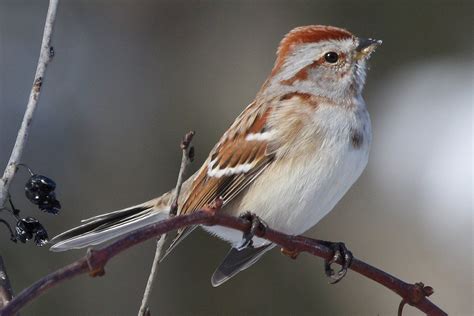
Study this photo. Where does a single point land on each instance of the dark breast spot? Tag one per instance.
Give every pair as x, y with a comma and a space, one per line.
357, 139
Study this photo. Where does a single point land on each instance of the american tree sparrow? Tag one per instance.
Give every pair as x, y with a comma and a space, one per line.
289, 157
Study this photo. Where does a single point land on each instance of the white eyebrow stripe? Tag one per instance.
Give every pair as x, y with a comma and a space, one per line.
259, 136
228, 171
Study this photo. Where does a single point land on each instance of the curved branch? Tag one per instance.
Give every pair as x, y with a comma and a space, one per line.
95, 260
46, 54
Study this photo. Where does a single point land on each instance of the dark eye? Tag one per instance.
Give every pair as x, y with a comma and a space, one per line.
331, 57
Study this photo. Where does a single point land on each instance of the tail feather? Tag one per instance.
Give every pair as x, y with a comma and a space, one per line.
105, 227
236, 261
123, 212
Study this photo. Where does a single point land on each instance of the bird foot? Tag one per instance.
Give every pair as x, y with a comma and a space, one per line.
256, 223
342, 254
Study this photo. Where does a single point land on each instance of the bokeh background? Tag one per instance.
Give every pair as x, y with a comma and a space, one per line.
131, 77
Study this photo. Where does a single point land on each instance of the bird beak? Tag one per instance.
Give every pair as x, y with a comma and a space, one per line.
366, 47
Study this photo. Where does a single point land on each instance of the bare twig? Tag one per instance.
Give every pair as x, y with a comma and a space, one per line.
94, 262
46, 54
186, 159
144, 308
6, 292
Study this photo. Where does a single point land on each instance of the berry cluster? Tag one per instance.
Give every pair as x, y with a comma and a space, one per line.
29, 227
39, 190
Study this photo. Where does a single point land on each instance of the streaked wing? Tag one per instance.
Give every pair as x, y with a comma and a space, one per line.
238, 159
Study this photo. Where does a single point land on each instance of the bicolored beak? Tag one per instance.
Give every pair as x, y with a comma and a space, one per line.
366, 47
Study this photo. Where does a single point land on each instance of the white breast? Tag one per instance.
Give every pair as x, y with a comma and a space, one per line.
293, 195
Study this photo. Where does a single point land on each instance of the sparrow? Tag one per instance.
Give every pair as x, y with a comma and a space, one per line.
289, 157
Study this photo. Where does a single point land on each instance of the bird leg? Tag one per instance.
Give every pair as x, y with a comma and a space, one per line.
256, 223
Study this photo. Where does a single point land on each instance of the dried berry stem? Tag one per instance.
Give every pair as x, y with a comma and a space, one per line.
17, 152
46, 54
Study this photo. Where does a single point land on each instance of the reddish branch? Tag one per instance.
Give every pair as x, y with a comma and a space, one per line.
95, 260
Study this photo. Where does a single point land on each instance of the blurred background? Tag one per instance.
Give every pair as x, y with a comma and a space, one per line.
131, 77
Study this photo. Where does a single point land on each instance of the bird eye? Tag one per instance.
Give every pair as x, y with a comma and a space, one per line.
331, 57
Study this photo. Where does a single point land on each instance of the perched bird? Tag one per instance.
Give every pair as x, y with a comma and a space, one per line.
289, 157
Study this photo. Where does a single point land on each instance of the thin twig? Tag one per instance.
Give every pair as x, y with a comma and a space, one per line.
46, 55
144, 308
6, 292
186, 158
95, 261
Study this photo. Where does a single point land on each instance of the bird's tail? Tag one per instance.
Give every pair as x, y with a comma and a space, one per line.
101, 228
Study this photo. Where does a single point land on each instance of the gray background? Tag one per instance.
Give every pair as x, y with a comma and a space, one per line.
130, 78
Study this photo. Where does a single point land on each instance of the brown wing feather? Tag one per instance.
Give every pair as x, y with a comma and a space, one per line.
232, 151
207, 188
222, 175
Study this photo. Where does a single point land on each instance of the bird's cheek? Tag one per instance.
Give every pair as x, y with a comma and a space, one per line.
342, 74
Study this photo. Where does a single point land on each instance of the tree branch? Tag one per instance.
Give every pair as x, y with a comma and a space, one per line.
6, 292
46, 54
95, 260
186, 158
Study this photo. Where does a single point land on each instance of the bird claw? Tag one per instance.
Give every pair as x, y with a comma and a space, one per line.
340, 253
256, 223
